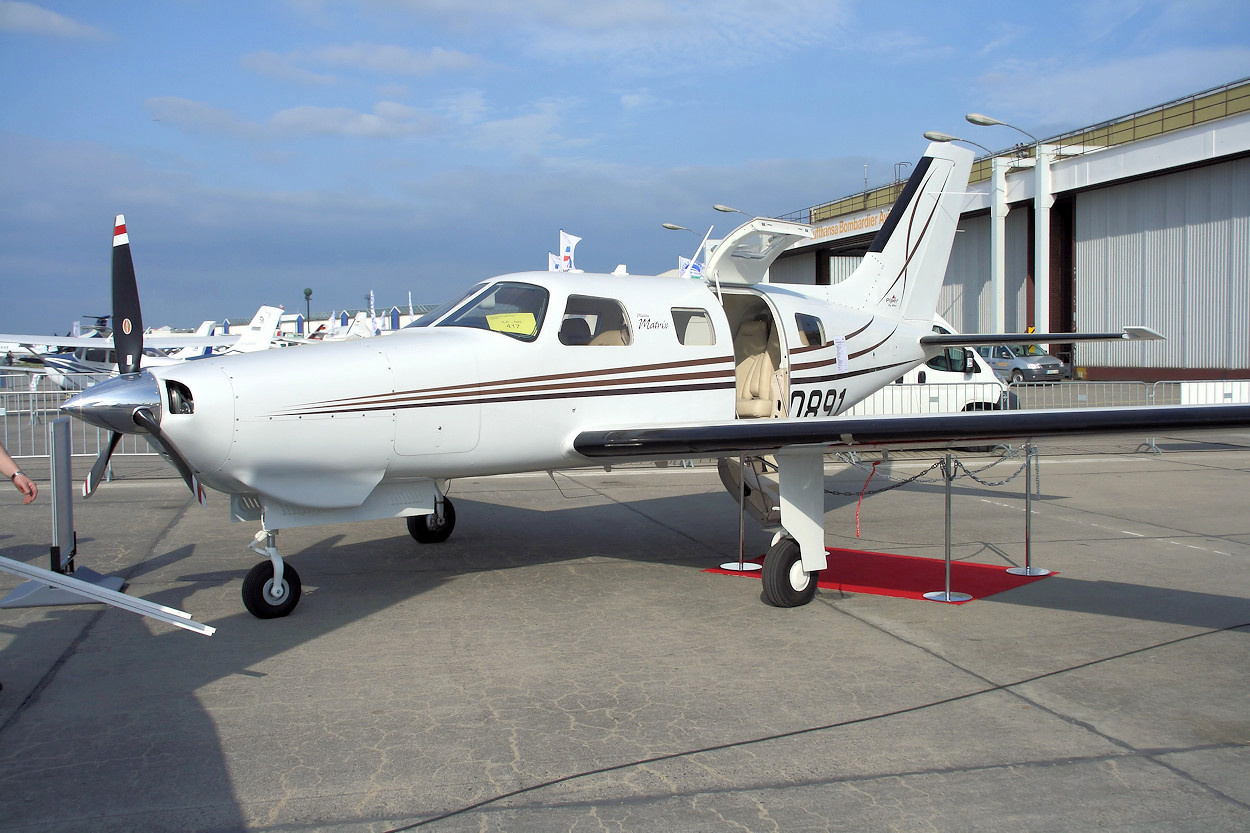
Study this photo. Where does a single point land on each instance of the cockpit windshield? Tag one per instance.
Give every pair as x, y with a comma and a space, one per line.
514, 309
433, 315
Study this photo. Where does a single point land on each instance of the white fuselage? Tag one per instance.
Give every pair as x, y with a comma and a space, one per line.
322, 427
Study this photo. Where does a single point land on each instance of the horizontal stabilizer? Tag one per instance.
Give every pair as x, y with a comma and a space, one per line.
975, 339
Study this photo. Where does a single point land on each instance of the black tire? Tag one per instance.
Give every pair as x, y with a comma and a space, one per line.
1017, 377
258, 587
427, 529
786, 584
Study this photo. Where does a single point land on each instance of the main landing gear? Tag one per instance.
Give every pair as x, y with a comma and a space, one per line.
786, 583
435, 527
271, 588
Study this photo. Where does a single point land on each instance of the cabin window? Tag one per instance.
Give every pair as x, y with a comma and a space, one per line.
96, 354
596, 322
514, 309
694, 327
811, 331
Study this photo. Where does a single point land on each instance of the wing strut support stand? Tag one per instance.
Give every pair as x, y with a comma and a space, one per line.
802, 476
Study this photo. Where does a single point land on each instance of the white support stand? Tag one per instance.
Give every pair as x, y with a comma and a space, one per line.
1030, 461
948, 474
86, 592
64, 539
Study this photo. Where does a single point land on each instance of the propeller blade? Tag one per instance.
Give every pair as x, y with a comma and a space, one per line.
96, 475
144, 419
127, 317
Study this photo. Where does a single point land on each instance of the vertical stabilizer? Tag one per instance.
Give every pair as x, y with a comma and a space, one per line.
903, 270
260, 332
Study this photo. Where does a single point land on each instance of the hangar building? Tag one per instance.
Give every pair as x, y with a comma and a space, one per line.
1142, 219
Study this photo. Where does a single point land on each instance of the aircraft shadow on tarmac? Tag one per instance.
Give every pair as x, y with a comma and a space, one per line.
161, 678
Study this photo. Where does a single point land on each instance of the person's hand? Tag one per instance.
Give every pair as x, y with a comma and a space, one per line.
26, 486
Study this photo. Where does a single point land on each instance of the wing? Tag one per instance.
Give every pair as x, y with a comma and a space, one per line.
768, 436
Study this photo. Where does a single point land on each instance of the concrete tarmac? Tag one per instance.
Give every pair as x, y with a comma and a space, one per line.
564, 663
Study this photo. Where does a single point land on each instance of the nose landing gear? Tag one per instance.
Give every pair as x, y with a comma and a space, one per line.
272, 588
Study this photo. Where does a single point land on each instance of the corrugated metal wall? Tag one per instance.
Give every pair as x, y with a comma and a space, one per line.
965, 300
1171, 252
795, 269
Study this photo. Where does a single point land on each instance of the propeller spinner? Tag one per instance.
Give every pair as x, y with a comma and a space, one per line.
131, 403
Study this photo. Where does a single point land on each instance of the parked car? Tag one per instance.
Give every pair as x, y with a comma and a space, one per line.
1024, 363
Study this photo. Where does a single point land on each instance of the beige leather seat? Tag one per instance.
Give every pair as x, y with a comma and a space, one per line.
755, 370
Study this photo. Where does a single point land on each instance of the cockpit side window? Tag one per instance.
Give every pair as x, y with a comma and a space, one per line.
596, 322
693, 327
514, 309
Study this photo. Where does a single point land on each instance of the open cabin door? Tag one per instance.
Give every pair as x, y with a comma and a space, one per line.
737, 263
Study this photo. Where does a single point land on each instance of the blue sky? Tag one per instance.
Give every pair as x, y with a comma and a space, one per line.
420, 145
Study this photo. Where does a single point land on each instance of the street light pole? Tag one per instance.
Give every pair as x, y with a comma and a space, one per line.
1043, 200
307, 311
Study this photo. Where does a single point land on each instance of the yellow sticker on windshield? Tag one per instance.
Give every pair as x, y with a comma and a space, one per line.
521, 323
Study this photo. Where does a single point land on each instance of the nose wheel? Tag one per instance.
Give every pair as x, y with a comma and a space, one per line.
272, 588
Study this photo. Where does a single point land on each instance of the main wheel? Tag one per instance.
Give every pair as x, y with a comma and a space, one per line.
786, 583
259, 597
429, 529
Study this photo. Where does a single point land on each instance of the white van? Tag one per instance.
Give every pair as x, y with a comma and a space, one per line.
957, 379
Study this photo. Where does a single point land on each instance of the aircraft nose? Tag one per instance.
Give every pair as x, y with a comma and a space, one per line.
112, 404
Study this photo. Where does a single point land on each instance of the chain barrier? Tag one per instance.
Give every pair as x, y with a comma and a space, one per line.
852, 459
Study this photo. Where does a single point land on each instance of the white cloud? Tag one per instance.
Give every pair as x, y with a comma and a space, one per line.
527, 134
283, 68
637, 35
27, 17
1071, 95
393, 60
198, 117
384, 59
388, 120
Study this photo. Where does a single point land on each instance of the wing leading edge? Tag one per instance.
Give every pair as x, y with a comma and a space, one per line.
897, 432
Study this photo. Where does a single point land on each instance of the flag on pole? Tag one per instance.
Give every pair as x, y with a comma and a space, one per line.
553, 263
689, 268
568, 243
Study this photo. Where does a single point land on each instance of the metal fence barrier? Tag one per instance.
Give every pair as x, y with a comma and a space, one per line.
26, 414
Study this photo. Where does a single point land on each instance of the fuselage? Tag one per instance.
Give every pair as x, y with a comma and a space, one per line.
484, 387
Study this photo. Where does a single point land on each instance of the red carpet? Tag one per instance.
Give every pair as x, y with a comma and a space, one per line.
904, 576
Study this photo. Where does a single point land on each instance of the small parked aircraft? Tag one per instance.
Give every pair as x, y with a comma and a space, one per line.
93, 360
538, 371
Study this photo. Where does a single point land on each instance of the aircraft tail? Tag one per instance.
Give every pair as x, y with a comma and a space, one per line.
260, 332
903, 270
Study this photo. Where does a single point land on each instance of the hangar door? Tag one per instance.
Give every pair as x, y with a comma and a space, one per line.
1171, 252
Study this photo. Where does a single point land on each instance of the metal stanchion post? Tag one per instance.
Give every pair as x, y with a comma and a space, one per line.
948, 473
742, 566
1030, 462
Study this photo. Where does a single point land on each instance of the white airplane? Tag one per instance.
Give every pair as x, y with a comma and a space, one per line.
538, 371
